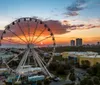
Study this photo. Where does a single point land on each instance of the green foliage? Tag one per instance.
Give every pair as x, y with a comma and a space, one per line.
53, 66
72, 77
39, 83
86, 81
47, 82
94, 70
70, 84
96, 80
58, 58
94, 76
90, 82
72, 71
60, 70
80, 48
85, 64
90, 71
58, 67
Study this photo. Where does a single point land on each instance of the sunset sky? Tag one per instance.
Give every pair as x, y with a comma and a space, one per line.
68, 19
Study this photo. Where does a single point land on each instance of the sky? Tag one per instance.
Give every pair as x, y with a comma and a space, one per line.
68, 19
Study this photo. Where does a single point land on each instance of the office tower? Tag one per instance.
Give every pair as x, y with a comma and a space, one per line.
72, 42
78, 42
98, 43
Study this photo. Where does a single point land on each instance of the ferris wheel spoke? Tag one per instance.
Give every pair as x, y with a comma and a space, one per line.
34, 31
17, 36
43, 39
22, 32
23, 60
14, 58
28, 31
35, 62
41, 64
41, 58
39, 34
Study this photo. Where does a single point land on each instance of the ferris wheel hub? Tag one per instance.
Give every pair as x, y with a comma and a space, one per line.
30, 45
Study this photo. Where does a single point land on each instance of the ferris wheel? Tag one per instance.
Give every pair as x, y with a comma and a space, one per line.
35, 38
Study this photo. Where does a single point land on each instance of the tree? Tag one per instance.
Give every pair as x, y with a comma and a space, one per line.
60, 70
53, 66
70, 84
90, 82
47, 82
85, 64
84, 81
72, 70
39, 83
90, 71
66, 66
94, 70
96, 80
72, 77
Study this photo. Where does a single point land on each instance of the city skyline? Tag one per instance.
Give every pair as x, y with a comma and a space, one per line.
68, 19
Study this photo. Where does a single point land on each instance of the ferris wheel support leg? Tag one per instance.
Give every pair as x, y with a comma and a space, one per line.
35, 61
42, 64
14, 58
39, 63
45, 67
28, 60
22, 63
42, 60
23, 60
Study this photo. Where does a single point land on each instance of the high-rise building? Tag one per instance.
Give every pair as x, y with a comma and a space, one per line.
98, 43
72, 42
78, 42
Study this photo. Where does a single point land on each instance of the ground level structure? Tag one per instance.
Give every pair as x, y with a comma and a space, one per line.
82, 57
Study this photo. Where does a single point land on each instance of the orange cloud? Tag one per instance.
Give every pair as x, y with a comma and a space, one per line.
27, 29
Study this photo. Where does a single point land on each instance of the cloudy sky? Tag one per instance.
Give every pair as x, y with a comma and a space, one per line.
68, 19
